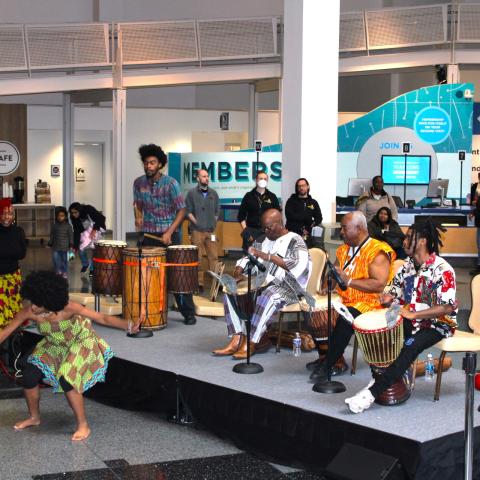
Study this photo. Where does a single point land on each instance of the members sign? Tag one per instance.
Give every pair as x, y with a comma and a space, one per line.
232, 174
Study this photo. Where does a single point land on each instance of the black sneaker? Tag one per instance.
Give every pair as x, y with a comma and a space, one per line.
190, 320
84, 269
90, 273
320, 374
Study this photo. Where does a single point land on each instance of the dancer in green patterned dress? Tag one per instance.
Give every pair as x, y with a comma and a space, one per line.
70, 357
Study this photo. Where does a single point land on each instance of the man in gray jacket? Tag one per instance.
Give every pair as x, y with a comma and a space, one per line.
203, 210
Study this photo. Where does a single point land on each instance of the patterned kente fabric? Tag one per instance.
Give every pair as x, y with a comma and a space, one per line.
358, 268
159, 201
71, 349
432, 284
10, 300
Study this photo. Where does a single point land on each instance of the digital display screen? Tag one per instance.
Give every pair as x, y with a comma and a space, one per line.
418, 169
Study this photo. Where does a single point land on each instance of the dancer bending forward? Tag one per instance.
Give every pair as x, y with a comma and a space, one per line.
71, 357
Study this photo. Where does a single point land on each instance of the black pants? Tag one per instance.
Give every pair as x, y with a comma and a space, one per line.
32, 376
412, 347
184, 300
341, 335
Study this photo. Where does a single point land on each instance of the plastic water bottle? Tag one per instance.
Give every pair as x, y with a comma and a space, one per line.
297, 345
429, 368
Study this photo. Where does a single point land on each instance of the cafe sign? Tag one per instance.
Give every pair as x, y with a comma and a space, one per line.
9, 158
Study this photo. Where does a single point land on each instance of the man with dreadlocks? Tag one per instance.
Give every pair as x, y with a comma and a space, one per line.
425, 289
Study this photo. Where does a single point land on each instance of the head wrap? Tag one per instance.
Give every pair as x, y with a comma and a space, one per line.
5, 203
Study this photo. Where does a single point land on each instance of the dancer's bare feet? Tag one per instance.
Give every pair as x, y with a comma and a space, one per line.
29, 422
82, 433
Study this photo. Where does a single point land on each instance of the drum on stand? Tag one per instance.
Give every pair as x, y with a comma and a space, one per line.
150, 301
107, 272
381, 346
182, 279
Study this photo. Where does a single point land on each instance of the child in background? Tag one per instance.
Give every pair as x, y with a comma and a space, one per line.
61, 241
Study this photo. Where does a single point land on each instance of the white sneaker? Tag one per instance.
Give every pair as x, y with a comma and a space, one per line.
361, 401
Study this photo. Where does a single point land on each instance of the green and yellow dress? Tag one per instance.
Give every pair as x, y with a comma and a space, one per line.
71, 349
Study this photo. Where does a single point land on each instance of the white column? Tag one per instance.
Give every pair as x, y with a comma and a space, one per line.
310, 99
68, 148
119, 164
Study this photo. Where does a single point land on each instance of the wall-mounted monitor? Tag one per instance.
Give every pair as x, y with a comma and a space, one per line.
418, 169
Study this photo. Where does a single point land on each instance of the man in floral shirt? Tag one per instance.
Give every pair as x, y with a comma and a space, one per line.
425, 288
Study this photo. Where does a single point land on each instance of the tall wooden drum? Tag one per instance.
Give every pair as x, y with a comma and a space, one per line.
147, 299
183, 279
107, 272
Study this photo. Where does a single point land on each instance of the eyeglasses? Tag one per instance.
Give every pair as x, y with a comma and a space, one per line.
268, 228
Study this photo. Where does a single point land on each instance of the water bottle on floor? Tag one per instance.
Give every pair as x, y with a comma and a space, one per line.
429, 368
297, 345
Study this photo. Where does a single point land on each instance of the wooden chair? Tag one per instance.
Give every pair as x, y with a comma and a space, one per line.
313, 286
209, 307
461, 341
397, 264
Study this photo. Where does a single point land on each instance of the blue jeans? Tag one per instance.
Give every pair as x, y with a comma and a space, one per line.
60, 262
85, 257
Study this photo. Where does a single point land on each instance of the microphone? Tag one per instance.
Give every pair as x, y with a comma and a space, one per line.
261, 267
336, 276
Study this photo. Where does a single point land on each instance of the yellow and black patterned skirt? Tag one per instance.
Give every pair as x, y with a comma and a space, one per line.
10, 301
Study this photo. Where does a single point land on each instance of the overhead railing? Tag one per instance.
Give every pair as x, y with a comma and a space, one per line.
68, 47
409, 27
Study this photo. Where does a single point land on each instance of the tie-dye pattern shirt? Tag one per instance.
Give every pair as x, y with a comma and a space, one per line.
159, 201
433, 284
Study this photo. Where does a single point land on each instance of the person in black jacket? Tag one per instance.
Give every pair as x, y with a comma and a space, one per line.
83, 217
254, 203
302, 211
13, 247
383, 227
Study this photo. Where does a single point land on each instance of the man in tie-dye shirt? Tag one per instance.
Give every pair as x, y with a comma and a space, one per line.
159, 211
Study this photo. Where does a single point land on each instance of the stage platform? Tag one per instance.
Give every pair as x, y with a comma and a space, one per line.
275, 413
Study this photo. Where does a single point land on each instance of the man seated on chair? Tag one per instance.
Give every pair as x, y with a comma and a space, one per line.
365, 265
425, 288
280, 251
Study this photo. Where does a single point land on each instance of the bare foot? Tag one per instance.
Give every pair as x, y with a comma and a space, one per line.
82, 433
29, 422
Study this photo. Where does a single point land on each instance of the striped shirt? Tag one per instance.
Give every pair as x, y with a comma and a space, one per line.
159, 201
358, 269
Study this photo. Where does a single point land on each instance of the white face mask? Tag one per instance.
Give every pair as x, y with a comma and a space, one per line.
262, 184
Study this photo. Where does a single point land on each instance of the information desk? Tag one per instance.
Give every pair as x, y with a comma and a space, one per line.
459, 240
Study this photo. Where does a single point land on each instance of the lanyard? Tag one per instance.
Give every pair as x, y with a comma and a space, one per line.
355, 253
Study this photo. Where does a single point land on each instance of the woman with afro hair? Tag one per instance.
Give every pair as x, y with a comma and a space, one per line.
71, 357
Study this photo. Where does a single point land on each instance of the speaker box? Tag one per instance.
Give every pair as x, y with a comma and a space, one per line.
358, 463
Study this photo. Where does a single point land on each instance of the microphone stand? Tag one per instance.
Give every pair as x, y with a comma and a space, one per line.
329, 386
140, 333
247, 367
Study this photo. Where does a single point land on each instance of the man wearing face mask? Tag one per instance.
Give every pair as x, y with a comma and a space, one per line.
280, 251
13, 247
203, 210
254, 203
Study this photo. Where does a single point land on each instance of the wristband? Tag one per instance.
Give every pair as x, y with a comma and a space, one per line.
269, 256
349, 282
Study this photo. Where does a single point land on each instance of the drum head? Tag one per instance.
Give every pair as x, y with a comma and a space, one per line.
182, 247
372, 321
111, 243
146, 251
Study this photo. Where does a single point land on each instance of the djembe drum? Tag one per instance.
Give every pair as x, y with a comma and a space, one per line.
147, 300
107, 272
381, 345
182, 277
318, 324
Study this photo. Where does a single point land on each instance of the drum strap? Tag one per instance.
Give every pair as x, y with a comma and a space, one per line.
355, 252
